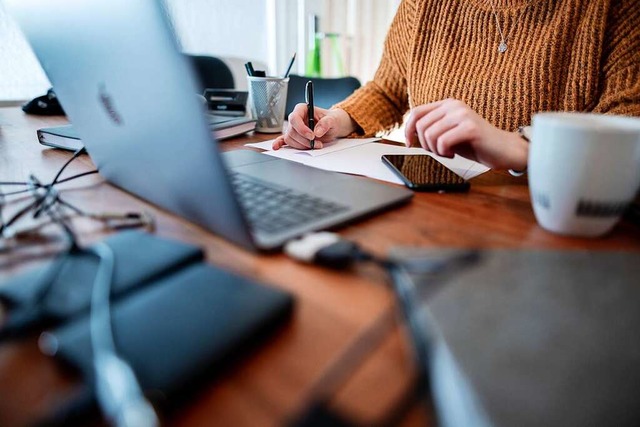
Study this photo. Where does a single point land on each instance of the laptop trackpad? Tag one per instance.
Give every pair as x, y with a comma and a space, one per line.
236, 158
293, 175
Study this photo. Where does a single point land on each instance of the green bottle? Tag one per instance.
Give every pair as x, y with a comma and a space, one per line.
314, 61
313, 66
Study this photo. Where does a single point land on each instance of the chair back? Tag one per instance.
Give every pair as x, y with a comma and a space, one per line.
326, 92
212, 72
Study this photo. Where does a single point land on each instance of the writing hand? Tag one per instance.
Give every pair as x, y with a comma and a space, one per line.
330, 125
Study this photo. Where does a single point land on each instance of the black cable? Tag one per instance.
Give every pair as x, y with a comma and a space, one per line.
60, 220
34, 184
329, 250
76, 154
74, 208
14, 193
29, 318
17, 216
49, 187
80, 175
117, 389
61, 181
1, 213
56, 179
12, 183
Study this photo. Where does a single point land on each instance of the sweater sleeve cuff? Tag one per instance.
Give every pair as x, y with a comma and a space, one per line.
366, 127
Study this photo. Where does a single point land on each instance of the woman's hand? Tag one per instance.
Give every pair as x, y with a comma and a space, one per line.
330, 125
451, 127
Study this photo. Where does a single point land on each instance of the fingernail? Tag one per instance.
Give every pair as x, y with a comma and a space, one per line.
319, 130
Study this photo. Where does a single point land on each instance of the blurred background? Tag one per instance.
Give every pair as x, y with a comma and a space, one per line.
332, 38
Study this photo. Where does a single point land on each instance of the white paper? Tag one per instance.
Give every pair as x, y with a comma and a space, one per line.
332, 147
363, 157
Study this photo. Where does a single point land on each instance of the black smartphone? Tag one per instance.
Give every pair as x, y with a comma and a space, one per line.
421, 172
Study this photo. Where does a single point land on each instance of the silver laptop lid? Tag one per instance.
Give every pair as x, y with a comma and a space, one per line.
130, 94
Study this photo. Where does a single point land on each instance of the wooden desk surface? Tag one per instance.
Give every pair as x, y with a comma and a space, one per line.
343, 339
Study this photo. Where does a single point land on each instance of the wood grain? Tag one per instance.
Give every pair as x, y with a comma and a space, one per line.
335, 311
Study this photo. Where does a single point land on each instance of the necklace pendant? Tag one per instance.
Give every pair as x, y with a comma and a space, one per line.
503, 47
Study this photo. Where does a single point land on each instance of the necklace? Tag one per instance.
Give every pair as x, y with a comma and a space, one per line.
502, 48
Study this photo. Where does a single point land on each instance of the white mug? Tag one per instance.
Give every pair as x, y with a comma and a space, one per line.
584, 171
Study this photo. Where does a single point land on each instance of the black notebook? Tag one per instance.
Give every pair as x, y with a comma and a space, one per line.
535, 338
182, 329
222, 127
61, 289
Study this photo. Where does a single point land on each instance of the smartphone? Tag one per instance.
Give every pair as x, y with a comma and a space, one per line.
421, 172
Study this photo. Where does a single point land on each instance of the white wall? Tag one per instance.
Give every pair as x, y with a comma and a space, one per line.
261, 30
20, 74
228, 28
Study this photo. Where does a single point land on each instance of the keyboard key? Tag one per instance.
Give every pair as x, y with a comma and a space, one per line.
270, 208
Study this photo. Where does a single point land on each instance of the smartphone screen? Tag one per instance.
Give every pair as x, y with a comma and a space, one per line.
421, 172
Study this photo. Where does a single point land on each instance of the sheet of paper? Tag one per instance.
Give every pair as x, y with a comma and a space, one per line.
363, 157
332, 147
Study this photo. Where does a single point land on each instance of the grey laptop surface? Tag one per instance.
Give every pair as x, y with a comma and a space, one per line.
120, 76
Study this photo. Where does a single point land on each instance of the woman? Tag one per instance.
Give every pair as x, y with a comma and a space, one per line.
471, 72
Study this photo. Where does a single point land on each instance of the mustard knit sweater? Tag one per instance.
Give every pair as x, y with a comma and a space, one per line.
563, 55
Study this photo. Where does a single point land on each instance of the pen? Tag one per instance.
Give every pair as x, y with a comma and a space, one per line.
293, 58
310, 110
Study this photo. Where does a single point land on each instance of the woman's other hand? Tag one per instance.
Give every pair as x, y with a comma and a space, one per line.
330, 125
451, 127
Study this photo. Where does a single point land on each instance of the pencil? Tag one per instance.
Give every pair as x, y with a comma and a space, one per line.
293, 58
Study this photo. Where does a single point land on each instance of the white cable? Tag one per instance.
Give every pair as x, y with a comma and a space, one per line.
118, 392
305, 248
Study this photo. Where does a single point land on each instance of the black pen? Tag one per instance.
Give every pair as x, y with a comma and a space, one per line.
310, 110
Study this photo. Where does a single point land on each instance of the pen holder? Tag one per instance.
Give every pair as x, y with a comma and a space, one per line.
268, 99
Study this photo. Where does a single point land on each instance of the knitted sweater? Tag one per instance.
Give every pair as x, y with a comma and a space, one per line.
563, 55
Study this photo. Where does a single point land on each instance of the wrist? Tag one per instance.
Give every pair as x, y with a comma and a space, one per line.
346, 125
519, 154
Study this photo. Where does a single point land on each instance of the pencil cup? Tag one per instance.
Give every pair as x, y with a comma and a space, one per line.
268, 99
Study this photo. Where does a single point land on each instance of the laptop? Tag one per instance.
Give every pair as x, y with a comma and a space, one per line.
119, 74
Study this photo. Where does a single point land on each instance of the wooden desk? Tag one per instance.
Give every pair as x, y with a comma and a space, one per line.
342, 339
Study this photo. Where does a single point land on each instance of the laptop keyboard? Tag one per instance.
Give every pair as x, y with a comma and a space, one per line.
272, 209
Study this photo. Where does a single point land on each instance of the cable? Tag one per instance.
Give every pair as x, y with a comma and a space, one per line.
52, 210
45, 197
5, 225
80, 175
56, 179
118, 391
61, 181
13, 183
49, 187
330, 250
33, 185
